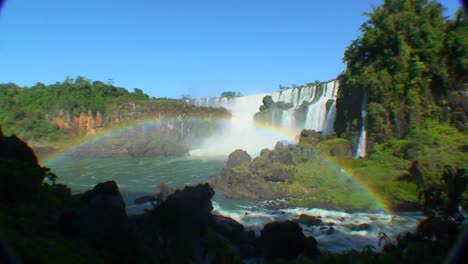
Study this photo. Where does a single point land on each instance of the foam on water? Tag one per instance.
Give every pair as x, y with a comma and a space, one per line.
338, 230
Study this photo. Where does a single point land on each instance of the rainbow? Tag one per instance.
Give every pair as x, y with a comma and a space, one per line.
370, 192
278, 131
268, 129
114, 131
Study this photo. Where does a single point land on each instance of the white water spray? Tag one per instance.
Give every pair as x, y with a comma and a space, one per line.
362, 143
241, 132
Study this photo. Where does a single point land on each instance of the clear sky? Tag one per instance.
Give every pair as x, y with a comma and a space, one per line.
172, 47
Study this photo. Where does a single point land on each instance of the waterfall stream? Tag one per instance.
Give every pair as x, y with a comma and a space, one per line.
242, 132
362, 143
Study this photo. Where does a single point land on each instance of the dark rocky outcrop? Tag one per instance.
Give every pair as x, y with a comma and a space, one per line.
238, 158
285, 240
258, 178
145, 199
243, 241
308, 220
188, 209
13, 148
99, 217
21, 175
182, 228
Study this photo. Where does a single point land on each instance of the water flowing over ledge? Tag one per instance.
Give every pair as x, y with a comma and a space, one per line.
317, 104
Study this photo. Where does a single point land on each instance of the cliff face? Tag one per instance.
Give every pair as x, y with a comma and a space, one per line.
87, 123
91, 123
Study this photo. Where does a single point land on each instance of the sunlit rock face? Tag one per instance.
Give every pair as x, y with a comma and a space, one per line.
286, 114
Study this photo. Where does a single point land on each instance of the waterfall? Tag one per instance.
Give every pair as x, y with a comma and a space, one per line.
242, 132
331, 116
317, 112
362, 143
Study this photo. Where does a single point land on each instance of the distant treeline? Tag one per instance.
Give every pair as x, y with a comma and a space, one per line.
27, 111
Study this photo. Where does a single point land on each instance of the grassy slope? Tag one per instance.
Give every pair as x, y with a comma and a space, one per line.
434, 146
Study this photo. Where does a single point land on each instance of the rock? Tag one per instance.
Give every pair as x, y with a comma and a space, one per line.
21, 175
310, 137
363, 226
185, 230
186, 210
280, 146
308, 220
101, 213
237, 158
282, 156
265, 152
285, 240
438, 227
163, 191
243, 241
257, 179
227, 227
13, 148
100, 219
145, 199
327, 229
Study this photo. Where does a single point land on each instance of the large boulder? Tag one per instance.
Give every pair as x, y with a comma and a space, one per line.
243, 241
265, 177
187, 210
238, 158
285, 240
100, 214
99, 217
21, 175
184, 230
310, 137
309, 220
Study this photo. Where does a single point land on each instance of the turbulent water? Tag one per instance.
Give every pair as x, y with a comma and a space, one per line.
137, 176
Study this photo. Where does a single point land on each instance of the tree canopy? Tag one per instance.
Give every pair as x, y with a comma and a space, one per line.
230, 94
410, 60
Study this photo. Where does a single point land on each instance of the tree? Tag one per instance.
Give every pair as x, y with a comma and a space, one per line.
139, 94
403, 61
185, 97
230, 94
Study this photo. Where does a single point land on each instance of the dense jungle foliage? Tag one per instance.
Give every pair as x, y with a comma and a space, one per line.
411, 62
28, 111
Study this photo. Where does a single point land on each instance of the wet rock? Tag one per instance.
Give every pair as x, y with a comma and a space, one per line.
22, 174
285, 240
327, 229
145, 199
363, 226
188, 209
227, 227
101, 213
308, 220
237, 158
243, 241
100, 219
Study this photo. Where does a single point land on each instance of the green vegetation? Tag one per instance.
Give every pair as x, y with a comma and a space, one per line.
398, 169
230, 94
51, 226
411, 62
73, 108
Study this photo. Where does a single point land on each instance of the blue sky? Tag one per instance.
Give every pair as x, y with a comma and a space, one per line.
170, 47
